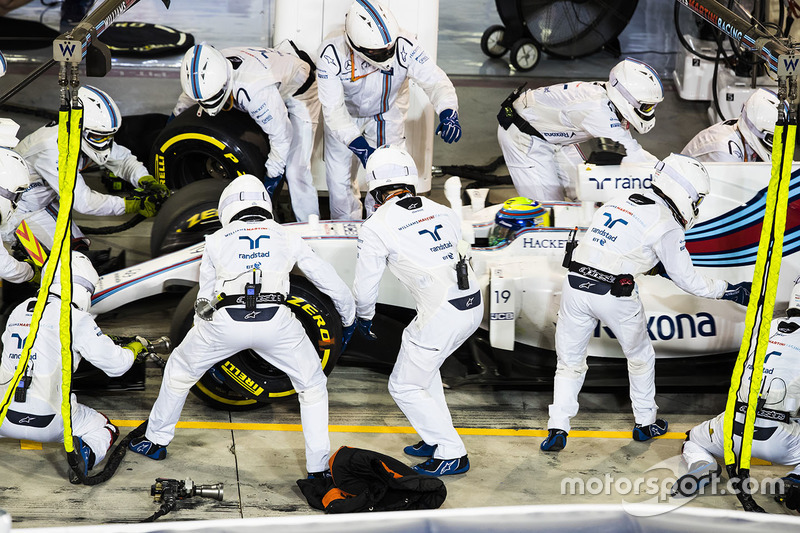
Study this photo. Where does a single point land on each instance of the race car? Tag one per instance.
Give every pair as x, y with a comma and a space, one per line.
695, 339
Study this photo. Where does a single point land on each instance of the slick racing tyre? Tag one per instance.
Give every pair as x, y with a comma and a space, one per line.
245, 381
192, 148
186, 217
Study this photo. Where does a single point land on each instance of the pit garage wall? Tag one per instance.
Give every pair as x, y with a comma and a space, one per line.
308, 22
637, 517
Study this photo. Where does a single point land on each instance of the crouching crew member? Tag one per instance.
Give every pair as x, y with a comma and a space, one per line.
35, 412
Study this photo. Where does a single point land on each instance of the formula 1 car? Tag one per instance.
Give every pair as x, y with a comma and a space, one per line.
695, 339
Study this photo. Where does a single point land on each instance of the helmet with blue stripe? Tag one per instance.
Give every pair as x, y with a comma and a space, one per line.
516, 215
371, 30
206, 77
101, 120
635, 89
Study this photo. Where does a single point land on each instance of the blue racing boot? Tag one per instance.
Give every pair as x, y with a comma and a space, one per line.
555, 441
643, 433
442, 467
147, 448
420, 449
86, 463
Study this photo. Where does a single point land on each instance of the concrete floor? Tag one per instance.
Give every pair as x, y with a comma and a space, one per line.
258, 455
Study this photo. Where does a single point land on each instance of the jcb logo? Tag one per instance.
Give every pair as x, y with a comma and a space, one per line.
434, 234
253, 242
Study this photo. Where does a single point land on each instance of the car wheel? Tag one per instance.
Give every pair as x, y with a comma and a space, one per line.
525, 55
192, 148
186, 217
245, 381
491, 41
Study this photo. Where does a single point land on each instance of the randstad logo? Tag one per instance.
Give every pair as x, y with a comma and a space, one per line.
625, 183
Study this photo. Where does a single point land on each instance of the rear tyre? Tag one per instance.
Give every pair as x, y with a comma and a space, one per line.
220, 390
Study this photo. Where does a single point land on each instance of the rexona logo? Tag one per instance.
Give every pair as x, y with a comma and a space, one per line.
667, 327
622, 182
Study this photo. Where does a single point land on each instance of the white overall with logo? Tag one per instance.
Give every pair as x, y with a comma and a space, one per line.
565, 114
357, 99
271, 330
629, 235
417, 238
39, 417
775, 441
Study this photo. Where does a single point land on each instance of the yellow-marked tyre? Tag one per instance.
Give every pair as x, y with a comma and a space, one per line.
192, 148
187, 217
245, 381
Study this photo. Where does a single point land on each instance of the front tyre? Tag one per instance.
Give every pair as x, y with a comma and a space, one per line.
192, 148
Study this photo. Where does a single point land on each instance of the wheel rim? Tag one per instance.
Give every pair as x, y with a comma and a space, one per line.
527, 55
493, 42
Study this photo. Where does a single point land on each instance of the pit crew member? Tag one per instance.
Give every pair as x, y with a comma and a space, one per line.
277, 88
249, 260
748, 138
363, 75
419, 241
776, 435
35, 412
38, 205
540, 128
629, 236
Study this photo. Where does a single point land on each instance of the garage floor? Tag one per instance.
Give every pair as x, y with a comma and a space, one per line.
258, 454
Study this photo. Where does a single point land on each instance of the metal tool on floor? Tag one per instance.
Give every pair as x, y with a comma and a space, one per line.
169, 491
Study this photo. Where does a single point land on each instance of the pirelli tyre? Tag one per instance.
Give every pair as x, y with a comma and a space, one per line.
192, 148
186, 217
245, 381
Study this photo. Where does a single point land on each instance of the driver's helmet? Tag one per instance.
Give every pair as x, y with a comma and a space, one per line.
516, 215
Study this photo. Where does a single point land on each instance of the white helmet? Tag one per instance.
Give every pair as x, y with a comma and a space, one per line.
683, 182
206, 77
14, 178
3, 65
757, 121
101, 120
372, 30
390, 168
634, 88
84, 280
245, 193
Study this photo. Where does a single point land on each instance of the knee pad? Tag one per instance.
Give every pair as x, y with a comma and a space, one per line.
571, 371
313, 395
638, 368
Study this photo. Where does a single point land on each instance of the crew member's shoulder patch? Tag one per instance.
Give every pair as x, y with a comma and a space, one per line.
410, 202
329, 59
